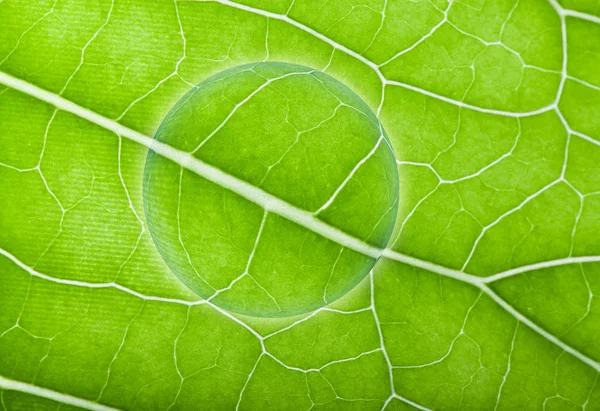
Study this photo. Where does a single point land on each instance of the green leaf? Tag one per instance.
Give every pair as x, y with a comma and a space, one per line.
485, 297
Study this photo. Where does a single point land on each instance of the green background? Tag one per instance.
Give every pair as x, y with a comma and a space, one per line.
487, 297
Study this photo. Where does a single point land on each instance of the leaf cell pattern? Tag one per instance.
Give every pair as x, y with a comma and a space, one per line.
486, 297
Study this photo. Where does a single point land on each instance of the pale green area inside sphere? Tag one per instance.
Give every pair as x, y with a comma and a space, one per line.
299, 135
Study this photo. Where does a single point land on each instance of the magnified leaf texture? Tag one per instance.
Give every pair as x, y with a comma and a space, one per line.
282, 139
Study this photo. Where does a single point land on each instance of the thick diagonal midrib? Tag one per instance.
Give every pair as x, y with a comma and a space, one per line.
13, 385
272, 203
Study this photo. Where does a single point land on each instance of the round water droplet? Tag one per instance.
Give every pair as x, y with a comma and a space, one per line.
290, 137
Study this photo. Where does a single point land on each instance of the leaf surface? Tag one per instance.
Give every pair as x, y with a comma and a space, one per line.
486, 297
